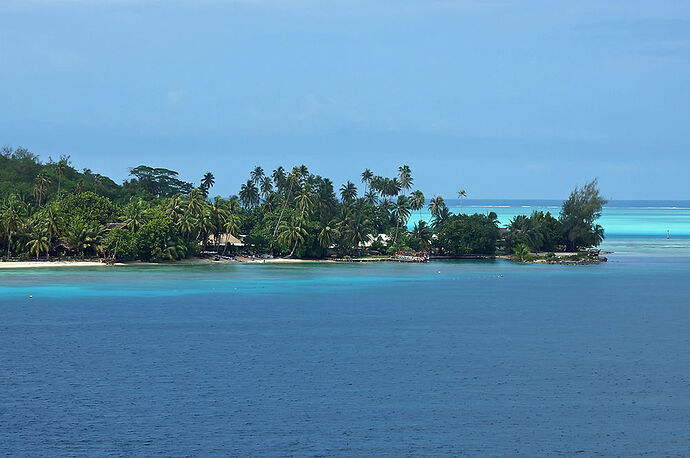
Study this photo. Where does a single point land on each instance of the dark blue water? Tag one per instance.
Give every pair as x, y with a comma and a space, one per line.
445, 358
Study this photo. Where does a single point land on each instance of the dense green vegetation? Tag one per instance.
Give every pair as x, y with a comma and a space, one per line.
50, 209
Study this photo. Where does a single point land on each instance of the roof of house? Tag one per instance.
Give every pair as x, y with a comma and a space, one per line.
225, 239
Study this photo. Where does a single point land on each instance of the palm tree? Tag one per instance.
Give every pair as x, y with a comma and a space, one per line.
279, 178
291, 180
51, 221
42, 183
38, 243
195, 204
256, 175
61, 168
461, 195
249, 194
303, 172
356, 228
328, 234
435, 205
135, 213
187, 224
304, 201
370, 197
405, 175
521, 253
12, 218
291, 234
401, 210
348, 192
81, 235
367, 175
418, 202
207, 183
442, 215
266, 187
423, 232
218, 218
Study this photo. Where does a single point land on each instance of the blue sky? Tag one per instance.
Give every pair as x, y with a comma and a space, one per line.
507, 99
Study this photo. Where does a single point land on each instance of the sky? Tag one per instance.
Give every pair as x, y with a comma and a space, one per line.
506, 99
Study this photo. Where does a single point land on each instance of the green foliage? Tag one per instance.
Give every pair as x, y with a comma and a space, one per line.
467, 234
521, 253
540, 232
578, 217
52, 209
87, 206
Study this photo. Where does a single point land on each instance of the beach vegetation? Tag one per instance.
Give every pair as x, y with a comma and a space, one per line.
52, 209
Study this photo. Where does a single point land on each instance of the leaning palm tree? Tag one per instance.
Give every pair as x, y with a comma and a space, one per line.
291, 233
461, 195
291, 180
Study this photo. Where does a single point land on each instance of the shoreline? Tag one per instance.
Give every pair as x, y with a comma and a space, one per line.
42, 264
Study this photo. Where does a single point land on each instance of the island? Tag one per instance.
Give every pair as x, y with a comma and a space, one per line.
52, 213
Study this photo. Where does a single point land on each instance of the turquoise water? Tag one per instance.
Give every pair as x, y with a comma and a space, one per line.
442, 359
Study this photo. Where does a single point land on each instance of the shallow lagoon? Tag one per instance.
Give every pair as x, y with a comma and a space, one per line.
445, 358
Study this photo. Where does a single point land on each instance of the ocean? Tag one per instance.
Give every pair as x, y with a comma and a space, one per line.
446, 358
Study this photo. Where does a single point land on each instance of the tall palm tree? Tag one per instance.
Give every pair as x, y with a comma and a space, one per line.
266, 187
461, 195
405, 177
279, 178
367, 175
61, 169
207, 183
304, 201
249, 194
348, 192
42, 183
291, 180
256, 175
436, 204
418, 202
401, 210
